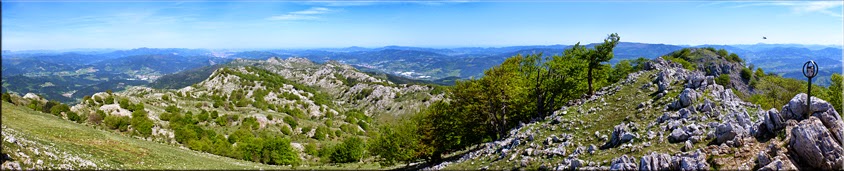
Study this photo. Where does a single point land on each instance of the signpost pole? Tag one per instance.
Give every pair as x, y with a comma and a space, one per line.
810, 70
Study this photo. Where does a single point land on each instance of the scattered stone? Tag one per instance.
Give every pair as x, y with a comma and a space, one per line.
678, 135
814, 146
619, 136
696, 80
774, 121
706, 106
624, 163
684, 99
726, 132
687, 146
684, 113
655, 161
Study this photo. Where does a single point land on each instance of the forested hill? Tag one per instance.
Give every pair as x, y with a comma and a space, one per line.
689, 109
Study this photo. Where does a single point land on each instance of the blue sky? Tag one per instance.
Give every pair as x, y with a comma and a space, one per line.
28, 25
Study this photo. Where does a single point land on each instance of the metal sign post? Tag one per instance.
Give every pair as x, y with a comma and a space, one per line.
810, 70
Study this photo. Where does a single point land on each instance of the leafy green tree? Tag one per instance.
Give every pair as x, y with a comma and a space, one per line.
351, 150
396, 143
49, 105
74, 117
124, 103
203, 116
109, 100
321, 132
58, 109
723, 53
281, 152
835, 93
7, 97
602, 53
222, 120
290, 121
117, 122
723, 79
759, 73
141, 123
746, 74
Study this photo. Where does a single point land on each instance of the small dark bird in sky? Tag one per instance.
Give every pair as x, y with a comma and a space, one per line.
763, 37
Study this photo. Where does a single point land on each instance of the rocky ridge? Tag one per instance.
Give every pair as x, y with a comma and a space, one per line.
699, 122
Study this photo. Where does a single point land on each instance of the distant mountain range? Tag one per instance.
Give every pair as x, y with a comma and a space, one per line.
59, 74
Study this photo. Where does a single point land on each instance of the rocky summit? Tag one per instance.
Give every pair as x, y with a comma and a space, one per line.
668, 118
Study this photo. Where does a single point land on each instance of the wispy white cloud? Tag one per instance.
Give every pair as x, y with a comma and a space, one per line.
385, 2
802, 7
309, 14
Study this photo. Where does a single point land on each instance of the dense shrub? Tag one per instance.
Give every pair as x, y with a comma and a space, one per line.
117, 122
97, 117
723, 79
321, 132
351, 150
58, 109
142, 123
290, 121
74, 117
222, 120
396, 142
280, 151
746, 74
250, 123
686, 64
203, 116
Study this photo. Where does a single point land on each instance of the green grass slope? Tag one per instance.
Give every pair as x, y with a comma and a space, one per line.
38, 135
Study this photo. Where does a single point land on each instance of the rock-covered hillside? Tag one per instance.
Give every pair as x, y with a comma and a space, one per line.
313, 105
668, 117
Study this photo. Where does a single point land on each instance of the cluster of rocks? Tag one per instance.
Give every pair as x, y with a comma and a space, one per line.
813, 142
817, 141
31, 155
621, 134
657, 161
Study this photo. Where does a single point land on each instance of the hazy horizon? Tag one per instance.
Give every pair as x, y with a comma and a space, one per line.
374, 47
338, 24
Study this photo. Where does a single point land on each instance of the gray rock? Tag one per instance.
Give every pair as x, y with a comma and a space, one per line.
684, 113
814, 146
655, 161
688, 96
690, 161
678, 135
762, 158
710, 80
12, 165
619, 136
687, 146
627, 137
796, 108
832, 121
696, 80
706, 106
570, 164
726, 132
651, 134
778, 164
662, 87
624, 163
774, 121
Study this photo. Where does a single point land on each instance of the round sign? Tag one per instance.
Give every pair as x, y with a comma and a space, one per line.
810, 69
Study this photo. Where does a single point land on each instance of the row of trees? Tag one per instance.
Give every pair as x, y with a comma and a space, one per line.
480, 110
